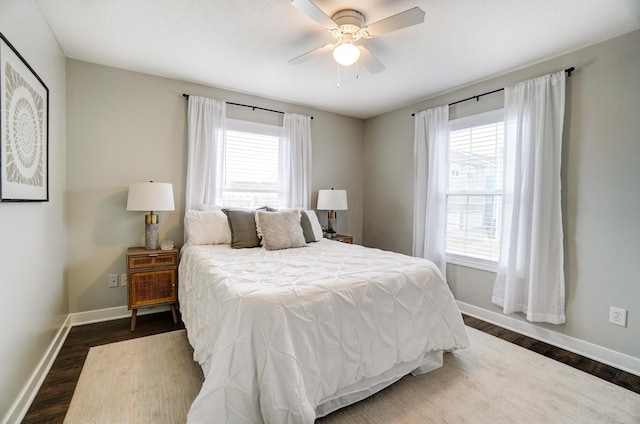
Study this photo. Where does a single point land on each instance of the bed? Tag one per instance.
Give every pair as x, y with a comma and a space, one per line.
290, 335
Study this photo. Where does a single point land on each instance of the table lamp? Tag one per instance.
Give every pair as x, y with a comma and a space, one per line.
332, 200
150, 197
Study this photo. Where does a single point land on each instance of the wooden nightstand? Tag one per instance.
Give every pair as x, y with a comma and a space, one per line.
343, 238
152, 277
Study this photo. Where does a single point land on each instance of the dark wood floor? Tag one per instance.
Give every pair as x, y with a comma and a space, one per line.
53, 398
603, 371
52, 401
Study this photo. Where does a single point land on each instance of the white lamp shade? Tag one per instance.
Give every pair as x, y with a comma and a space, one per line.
346, 54
332, 200
150, 196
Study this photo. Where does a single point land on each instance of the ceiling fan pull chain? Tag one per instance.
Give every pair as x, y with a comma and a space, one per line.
357, 69
338, 85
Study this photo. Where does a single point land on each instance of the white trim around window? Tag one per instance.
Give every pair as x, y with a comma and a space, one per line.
471, 262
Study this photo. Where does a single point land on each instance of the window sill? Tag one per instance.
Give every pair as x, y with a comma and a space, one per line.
475, 263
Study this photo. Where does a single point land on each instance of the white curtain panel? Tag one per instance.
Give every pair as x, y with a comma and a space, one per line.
430, 167
530, 276
205, 134
295, 161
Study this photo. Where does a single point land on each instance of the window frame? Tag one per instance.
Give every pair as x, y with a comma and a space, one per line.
479, 119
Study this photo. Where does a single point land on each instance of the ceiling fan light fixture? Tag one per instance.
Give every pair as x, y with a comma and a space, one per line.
346, 54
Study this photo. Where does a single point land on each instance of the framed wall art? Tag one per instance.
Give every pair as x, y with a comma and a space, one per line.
24, 128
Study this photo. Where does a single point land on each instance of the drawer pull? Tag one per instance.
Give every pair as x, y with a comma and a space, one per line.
153, 254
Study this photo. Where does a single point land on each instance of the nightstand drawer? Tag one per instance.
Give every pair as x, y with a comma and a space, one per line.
152, 260
152, 288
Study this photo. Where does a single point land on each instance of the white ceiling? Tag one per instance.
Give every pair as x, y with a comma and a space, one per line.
245, 45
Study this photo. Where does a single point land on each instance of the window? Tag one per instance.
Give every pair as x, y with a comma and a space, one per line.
470, 172
474, 198
251, 165
454, 170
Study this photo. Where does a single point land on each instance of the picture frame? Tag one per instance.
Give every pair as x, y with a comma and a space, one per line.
24, 129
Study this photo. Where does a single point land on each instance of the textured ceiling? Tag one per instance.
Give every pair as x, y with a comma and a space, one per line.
245, 45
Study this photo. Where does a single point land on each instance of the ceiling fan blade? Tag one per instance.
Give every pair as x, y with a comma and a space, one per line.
311, 10
369, 61
413, 16
311, 54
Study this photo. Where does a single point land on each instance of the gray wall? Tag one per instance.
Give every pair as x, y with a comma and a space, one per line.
125, 127
33, 239
600, 174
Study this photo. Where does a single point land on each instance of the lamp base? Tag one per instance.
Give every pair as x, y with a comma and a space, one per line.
151, 236
331, 222
151, 232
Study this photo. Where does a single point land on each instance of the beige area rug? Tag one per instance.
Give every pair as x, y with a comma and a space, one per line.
154, 380
146, 380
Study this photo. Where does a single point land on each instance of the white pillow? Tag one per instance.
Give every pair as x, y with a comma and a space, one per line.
207, 227
315, 224
204, 207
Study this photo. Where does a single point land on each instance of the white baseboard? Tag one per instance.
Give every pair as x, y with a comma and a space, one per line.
19, 409
607, 356
99, 315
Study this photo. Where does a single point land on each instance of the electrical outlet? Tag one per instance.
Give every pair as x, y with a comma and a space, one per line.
113, 280
618, 316
123, 279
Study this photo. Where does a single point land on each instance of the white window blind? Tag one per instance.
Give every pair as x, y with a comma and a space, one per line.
251, 170
474, 188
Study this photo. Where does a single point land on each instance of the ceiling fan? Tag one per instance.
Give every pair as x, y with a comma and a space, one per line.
348, 27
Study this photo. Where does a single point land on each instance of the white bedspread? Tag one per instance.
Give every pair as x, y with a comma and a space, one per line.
277, 333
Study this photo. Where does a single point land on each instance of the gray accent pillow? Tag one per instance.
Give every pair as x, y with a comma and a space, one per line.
280, 230
307, 229
242, 224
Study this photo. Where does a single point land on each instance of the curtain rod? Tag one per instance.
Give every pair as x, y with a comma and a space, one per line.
186, 96
477, 97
